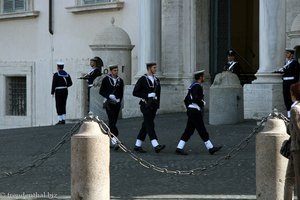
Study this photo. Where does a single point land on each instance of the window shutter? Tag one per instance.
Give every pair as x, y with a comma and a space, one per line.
103, 1
8, 6
88, 1
19, 5
95, 1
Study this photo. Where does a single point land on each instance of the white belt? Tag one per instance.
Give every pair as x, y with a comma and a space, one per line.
195, 106
288, 78
62, 87
90, 85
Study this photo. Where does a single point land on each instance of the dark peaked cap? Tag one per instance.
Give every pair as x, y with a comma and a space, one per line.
231, 52
292, 51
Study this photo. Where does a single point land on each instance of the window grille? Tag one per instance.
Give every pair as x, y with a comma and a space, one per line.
13, 6
16, 96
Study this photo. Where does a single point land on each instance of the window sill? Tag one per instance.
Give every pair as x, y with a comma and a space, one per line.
30, 14
97, 7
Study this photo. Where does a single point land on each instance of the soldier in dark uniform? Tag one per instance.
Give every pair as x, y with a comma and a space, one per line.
148, 89
195, 108
232, 65
60, 83
112, 89
96, 63
290, 75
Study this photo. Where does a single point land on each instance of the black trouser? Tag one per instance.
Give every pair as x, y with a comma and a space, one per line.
195, 121
148, 124
88, 98
112, 112
61, 96
286, 93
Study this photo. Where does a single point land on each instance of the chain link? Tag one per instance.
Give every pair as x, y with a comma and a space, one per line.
105, 129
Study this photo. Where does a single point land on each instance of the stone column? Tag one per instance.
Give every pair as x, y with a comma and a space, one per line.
149, 35
265, 92
271, 35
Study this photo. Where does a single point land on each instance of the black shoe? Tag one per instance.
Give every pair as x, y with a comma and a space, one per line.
159, 147
116, 147
60, 122
214, 149
180, 152
139, 149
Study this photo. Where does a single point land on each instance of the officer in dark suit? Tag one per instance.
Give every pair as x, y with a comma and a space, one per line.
290, 75
60, 83
148, 89
195, 108
232, 65
96, 63
112, 89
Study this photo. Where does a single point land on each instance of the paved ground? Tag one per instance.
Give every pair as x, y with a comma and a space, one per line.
235, 179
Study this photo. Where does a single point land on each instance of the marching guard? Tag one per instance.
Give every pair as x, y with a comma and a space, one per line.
148, 89
112, 89
195, 108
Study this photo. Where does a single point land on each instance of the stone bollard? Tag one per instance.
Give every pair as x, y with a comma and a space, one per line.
90, 159
226, 102
270, 164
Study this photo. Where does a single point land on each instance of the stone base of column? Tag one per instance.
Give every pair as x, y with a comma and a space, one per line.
263, 95
226, 100
131, 104
96, 103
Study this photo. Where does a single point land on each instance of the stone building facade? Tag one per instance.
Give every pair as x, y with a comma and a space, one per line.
180, 35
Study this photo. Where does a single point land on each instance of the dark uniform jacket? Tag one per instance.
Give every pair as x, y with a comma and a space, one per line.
291, 71
108, 87
233, 67
61, 80
93, 74
195, 95
144, 86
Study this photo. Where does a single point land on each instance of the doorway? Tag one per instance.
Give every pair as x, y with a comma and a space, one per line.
235, 24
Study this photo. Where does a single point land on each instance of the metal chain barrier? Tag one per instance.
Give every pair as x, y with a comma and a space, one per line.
105, 129
199, 170
44, 157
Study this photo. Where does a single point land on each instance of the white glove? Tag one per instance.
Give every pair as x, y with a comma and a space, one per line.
204, 103
112, 97
152, 94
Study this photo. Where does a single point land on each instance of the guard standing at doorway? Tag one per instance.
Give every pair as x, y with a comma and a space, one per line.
148, 89
112, 89
232, 64
195, 107
290, 75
